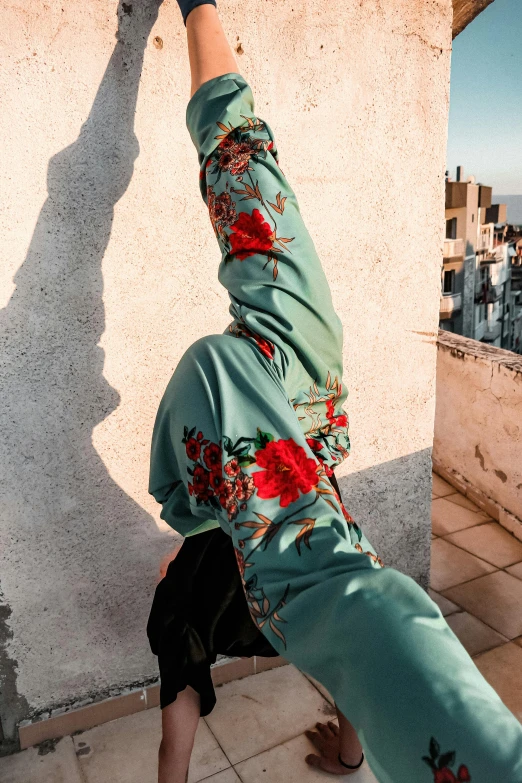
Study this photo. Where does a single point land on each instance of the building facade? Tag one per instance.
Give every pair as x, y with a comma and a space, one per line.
476, 295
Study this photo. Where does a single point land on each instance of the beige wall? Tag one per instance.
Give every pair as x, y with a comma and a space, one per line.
109, 275
478, 421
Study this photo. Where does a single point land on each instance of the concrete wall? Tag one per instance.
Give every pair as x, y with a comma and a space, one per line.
110, 273
478, 423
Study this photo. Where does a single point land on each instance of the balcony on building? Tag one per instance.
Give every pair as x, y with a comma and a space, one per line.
487, 293
449, 305
453, 248
492, 331
485, 238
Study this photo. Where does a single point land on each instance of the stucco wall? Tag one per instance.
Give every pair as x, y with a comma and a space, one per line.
478, 421
110, 273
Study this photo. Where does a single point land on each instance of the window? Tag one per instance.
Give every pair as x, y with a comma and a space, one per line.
473, 217
451, 228
449, 281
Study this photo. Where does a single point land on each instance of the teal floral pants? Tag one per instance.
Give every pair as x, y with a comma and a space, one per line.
246, 437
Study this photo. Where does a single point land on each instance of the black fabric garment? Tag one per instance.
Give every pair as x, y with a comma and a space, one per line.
200, 611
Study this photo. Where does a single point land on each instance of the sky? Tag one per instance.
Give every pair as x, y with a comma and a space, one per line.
485, 122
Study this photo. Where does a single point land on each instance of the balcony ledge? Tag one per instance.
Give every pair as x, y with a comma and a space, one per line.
478, 422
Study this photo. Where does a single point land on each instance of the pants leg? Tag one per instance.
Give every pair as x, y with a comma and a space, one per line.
371, 635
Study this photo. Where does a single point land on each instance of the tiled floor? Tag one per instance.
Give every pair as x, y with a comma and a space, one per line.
256, 732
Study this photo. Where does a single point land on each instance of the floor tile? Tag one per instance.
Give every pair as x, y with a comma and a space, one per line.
57, 766
445, 605
130, 746
465, 502
502, 668
496, 599
451, 565
286, 764
441, 487
473, 634
489, 542
227, 776
260, 712
515, 570
448, 517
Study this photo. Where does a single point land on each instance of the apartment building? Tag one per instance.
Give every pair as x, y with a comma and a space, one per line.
476, 299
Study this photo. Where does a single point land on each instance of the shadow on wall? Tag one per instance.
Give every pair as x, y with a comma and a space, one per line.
392, 504
80, 557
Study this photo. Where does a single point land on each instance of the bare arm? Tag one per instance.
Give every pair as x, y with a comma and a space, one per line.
209, 51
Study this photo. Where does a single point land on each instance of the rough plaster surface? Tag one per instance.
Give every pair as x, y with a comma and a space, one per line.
110, 273
478, 420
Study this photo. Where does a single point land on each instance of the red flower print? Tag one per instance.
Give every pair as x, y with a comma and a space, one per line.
314, 444
242, 150
240, 562
440, 763
201, 480
232, 467
193, 449
227, 143
265, 346
226, 160
216, 481
288, 471
232, 510
330, 409
244, 487
239, 167
227, 492
252, 235
212, 457
444, 776
224, 209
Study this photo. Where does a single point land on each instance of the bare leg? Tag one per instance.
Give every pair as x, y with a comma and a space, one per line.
179, 723
331, 741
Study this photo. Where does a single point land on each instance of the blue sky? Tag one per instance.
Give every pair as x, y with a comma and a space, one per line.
485, 125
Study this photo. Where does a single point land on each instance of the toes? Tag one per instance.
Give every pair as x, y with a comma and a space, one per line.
323, 730
334, 728
313, 761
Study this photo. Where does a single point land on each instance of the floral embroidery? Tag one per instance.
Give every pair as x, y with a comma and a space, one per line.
239, 329
222, 210
440, 763
288, 471
328, 439
250, 233
374, 558
208, 484
261, 610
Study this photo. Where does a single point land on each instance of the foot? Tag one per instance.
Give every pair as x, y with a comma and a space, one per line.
326, 741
